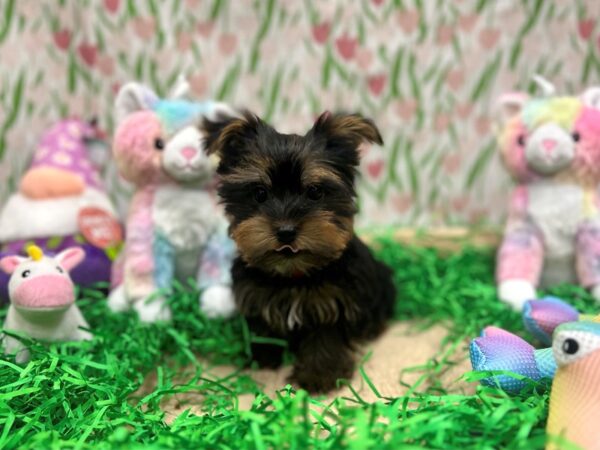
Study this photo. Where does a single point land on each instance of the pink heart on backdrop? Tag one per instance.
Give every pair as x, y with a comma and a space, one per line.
227, 43
377, 83
88, 53
321, 32
364, 58
406, 108
455, 79
441, 122
408, 20
205, 28
402, 202
62, 38
112, 5
106, 65
452, 163
585, 28
375, 168
445, 33
482, 125
346, 46
488, 37
467, 22
184, 41
460, 203
192, 4
144, 27
377, 2
198, 84
464, 110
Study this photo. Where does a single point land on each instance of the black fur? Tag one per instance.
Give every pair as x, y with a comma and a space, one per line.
324, 293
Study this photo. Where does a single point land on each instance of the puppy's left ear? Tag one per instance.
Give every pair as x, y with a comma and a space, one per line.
345, 132
225, 135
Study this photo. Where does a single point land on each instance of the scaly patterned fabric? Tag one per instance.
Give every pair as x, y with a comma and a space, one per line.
574, 413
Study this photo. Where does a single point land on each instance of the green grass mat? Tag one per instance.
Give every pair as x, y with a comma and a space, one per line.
83, 395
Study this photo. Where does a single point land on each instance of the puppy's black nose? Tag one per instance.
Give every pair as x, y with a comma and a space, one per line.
286, 234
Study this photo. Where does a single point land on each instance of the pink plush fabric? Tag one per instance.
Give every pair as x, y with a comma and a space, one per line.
134, 148
513, 153
587, 162
44, 291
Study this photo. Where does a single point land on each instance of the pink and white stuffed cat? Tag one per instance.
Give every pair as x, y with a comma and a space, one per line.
176, 230
551, 146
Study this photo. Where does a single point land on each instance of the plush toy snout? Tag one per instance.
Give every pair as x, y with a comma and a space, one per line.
44, 291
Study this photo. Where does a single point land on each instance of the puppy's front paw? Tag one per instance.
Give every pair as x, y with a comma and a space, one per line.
318, 382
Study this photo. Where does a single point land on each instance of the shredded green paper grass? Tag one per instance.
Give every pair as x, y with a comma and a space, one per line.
87, 395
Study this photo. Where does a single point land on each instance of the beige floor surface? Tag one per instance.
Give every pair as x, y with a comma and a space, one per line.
404, 345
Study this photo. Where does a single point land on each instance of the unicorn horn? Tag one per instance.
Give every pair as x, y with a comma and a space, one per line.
34, 252
547, 88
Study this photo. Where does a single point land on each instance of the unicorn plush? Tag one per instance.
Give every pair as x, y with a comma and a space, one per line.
42, 299
176, 230
551, 146
61, 202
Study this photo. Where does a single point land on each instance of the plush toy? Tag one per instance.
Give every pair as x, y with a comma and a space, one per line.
497, 349
574, 414
176, 230
61, 202
551, 146
42, 299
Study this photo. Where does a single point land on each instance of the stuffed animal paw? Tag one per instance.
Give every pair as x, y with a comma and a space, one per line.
217, 301
516, 292
152, 309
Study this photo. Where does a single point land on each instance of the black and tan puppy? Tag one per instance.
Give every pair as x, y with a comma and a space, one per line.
302, 274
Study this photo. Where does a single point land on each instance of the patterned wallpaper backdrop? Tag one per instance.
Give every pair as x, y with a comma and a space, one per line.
427, 71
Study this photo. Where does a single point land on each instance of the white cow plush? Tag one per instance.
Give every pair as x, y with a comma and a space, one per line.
42, 299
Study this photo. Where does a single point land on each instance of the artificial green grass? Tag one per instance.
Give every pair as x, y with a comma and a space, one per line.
85, 395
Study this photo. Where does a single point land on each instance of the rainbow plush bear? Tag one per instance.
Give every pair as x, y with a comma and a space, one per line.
551, 147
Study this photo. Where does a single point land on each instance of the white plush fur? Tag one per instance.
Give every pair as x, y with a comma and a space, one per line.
516, 292
199, 168
20, 218
46, 324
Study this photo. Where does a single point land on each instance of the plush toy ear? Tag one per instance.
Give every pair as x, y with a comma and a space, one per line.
133, 97
512, 103
8, 264
349, 130
70, 257
591, 97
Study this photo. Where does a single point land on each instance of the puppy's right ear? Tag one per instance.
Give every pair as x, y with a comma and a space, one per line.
133, 97
226, 135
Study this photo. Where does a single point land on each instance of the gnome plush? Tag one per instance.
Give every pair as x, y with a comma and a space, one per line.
61, 202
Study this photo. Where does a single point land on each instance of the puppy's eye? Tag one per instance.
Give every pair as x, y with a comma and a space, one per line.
260, 194
576, 136
314, 192
570, 346
159, 144
26, 273
60, 269
521, 140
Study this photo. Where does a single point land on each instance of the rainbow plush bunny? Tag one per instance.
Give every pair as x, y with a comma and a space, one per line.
574, 415
551, 146
176, 230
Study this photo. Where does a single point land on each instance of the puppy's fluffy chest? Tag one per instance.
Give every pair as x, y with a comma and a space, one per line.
297, 304
185, 217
